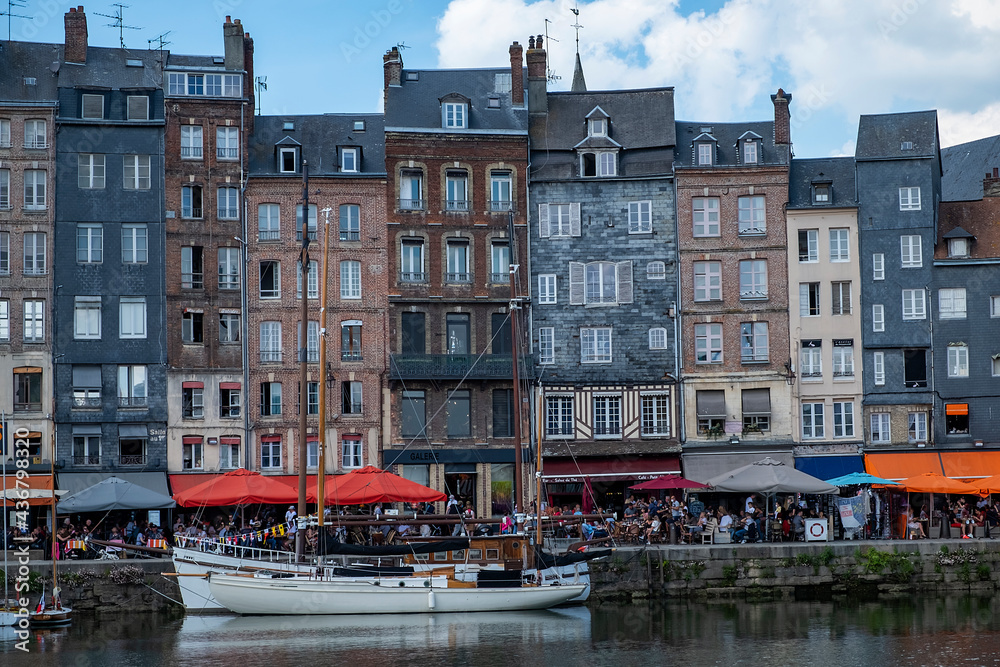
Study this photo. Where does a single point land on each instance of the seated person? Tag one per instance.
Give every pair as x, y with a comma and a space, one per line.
587, 531
798, 524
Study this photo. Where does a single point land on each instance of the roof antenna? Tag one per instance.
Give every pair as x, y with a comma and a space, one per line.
576, 24
260, 83
11, 6
401, 45
119, 22
550, 75
160, 41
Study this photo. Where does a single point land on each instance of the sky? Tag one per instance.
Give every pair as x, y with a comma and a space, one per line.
838, 58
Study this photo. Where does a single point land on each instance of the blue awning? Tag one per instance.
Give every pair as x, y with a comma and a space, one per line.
828, 467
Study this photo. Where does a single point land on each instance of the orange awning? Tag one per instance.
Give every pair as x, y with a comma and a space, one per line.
37, 487
900, 465
956, 408
971, 465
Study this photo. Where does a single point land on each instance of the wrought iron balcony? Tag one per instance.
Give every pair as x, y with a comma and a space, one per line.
87, 460
457, 366
132, 459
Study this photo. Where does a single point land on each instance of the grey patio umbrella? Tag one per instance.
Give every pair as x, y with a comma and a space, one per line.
769, 477
114, 493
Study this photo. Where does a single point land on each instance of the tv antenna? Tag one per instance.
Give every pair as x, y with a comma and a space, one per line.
160, 41
550, 75
11, 6
402, 45
119, 21
576, 25
260, 83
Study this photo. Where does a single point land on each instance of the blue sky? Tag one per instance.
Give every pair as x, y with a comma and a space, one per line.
838, 58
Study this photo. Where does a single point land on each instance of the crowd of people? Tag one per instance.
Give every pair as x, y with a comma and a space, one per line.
960, 518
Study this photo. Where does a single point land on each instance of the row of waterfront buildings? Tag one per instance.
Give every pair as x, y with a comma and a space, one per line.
693, 298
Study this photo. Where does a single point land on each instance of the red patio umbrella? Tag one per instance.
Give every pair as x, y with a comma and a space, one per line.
669, 482
930, 482
373, 485
237, 487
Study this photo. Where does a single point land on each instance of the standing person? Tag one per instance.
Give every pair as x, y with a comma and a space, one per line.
290, 517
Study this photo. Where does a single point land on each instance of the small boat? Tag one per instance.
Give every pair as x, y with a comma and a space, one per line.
51, 612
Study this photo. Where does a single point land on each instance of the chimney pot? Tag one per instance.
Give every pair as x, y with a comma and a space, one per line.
782, 118
516, 75
75, 22
229, 19
996, 172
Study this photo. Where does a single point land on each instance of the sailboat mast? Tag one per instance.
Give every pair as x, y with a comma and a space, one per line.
303, 359
321, 444
3, 460
52, 477
515, 353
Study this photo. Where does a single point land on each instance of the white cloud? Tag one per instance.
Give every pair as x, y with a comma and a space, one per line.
958, 127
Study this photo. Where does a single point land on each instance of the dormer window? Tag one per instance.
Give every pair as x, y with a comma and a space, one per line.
598, 127
706, 154
349, 160
749, 152
93, 106
821, 194
359, 126
958, 248
748, 146
288, 160
454, 115
601, 164
288, 126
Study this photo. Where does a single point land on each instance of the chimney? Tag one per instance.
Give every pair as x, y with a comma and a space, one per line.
516, 75
782, 118
991, 184
392, 63
76, 36
249, 83
538, 102
232, 39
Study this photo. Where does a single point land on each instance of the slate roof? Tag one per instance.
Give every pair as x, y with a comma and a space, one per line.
881, 136
106, 68
415, 104
839, 171
192, 62
320, 136
638, 119
26, 59
979, 219
963, 167
726, 135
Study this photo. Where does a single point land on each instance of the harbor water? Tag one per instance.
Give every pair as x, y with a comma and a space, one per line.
922, 630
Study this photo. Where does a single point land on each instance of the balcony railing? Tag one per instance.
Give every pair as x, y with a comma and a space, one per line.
87, 460
607, 429
267, 356
191, 212
350, 355
458, 277
132, 401
457, 205
411, 204
501, 278
228, 213
192, 280
457, 366
268, 235
191, 151
91, 402
227, 153
132, 459
412, 277
350, 235
503, 205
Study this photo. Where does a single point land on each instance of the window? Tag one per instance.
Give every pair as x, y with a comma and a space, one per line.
956, 418
656, 271
312, 398
350, 222
196, 84
753, 342
878, 266
349, 159
749, 152
350, 340
89, 243
951, 303
640, 217
192, 327
268, 222
958, 361
958, 247
705, 153
914, 307
607, 416
458, 263
27, 390
995, 306
227, 143
87, 449
756, 410
87, 318
270, 279
132, 386
229, 328
707, 281
135, 172
351, 451
655, 414
600, 283
658, 338
229, 452
4, 320
4, 133
34, 254
411, 183
137, 107
90, 171
909, 199
598, 164
916, 427
270, 452
915, 368
193, 400
34, 190
135, 248
500, 259
132, 449
176, 83
812, 420
711, 407
414, 414
843, 419
192, 275
92, 106
34, 134
311, 223
821, 194
708, 343
546, 345
880, 427
132, 317
995, 360
500, 192
841, 292
878, 368
595, 346
229, 400
843, 359
840, 249
191, 201
34, 320
559, 220
503, 413
753, 279
312, 342
597, 127
458, 332
4, 253
191, 144
411, 261
270, 399
547, 289
751, 215
229, 204
4, 189
459, 421
270, 342
706, 216
413, 333
457, 183
558, 416
229, 268
312, 280
878, 317
453, 114
350, 279
811, 359
910, 251
808, 245
288, 160
192, 447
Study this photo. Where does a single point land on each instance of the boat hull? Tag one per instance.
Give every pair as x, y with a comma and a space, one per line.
51, 618
252, 595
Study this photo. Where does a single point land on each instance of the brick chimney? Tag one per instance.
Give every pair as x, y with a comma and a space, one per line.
991, 184
76, 36
516, 75
232, 39
782, 118
250, 90
538, 102
392, 63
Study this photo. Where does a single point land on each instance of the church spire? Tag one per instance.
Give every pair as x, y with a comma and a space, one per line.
579, 83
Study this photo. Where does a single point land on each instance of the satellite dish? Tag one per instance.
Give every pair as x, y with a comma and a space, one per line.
54, 67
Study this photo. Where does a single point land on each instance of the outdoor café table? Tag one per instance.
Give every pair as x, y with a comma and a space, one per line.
157, 544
